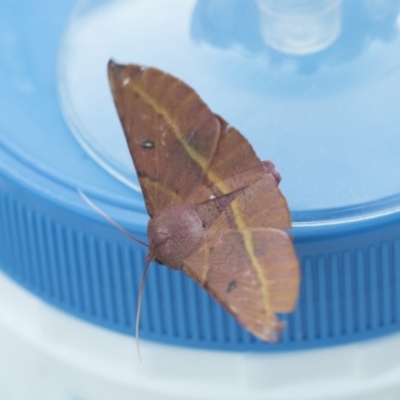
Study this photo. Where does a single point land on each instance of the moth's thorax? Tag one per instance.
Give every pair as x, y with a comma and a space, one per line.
174, 234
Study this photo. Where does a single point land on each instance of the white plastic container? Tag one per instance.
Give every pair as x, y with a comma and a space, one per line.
48, 355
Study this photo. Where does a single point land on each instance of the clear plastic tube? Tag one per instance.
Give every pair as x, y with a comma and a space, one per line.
300, 26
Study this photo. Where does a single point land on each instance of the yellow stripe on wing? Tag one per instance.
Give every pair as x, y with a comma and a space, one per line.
206, 264
158, 186
194, 155
220, 185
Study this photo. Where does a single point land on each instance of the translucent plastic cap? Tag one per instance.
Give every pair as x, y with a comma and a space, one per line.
300, 26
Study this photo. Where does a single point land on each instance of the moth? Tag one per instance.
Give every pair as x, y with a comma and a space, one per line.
216, 212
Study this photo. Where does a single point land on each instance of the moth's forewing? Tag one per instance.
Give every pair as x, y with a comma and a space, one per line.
171, 134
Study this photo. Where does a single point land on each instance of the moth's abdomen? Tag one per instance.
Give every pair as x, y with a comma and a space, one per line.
174, 234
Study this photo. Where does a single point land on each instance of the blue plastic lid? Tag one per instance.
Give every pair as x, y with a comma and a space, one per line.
323, 108
328, 119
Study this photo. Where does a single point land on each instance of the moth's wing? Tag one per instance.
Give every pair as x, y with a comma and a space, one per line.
252, 273
172, 135
235, 165
247, 247
260, 204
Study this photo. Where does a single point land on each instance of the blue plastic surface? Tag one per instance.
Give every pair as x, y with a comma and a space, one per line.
330, 121
328, 117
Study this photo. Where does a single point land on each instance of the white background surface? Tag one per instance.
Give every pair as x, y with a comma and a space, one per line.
48, 355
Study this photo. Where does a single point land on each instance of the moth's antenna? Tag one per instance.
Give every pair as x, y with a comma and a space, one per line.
109, 219
139, 304
148, 261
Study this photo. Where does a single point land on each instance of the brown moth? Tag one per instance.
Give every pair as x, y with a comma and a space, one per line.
216, 211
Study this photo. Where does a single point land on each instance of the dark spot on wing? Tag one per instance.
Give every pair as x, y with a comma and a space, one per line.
147, 144
231, 286
261, 249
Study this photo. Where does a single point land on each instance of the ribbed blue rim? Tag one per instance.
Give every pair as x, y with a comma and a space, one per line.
67, 256
54, 246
